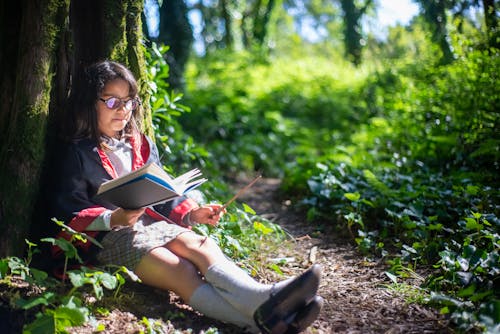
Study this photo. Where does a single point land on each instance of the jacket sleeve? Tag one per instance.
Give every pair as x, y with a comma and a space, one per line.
71, 197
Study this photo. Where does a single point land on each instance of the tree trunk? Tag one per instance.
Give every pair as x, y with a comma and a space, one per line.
435, 15
39, 57
25, 116
491, 22
226, 17
176, 32
261, 22
353, 12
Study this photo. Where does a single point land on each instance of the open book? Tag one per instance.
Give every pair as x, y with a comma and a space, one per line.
146, 186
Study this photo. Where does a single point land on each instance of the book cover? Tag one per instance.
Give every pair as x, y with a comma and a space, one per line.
146, 186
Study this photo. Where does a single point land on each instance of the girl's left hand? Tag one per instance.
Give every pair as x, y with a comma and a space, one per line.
209, 214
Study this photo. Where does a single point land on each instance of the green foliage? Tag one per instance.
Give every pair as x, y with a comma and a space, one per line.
268, 112
58, 310
21, 267
241, 233
420, 180
175, 149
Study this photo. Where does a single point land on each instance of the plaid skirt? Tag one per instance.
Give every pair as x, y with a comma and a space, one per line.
128, 245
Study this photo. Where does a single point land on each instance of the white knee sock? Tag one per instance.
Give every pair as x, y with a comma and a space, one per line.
239, 288
207, 300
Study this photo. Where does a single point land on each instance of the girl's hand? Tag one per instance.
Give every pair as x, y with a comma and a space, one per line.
209, 214
122, 217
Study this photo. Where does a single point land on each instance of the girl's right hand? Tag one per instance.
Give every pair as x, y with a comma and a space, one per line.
122, 217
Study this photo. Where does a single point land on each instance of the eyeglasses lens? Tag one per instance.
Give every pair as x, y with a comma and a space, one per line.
115, 103
131, 104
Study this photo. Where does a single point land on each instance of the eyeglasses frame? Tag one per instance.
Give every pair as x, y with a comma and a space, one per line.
122, 102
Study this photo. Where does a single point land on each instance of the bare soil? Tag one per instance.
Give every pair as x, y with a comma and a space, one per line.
355, 289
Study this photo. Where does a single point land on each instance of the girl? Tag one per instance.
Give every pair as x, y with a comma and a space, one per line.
157, 243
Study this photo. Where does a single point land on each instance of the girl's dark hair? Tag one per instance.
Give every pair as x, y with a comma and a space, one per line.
87, 90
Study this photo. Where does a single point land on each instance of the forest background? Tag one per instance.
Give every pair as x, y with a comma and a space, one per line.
394, 140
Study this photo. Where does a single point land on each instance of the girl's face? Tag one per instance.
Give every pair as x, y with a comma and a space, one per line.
111, 121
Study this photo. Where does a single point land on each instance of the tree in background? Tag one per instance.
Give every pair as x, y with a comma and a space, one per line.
491, 13
42, 45
255, 22
226, 24
176, 32
353, 36
435, 13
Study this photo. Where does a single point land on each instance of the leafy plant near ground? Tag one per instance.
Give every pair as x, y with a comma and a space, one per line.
242, 233
422, 219
59, 307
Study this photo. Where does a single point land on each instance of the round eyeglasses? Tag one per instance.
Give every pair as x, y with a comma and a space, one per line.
115, 103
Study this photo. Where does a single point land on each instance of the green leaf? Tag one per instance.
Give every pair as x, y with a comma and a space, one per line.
98, 291
248, 209
258, 226
67, 247
478, 296
67, 317
100, 328
445, 300
472, 224
354, 197
477, 215
467, 292
108, 281
38, 275
130, 274
275, 268
367, 202
472, 190
45, 299
4, 267
29, 243
374, 182
77, 278
43, 324
392, 277
435, 227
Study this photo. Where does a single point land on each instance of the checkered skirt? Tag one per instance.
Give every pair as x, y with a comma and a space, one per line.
127, 246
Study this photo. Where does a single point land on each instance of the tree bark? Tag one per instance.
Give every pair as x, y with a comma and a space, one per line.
43, 44
261, 22
23, 145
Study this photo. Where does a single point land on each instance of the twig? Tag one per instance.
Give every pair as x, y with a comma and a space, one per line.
238, 194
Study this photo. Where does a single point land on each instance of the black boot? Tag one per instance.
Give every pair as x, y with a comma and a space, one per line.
276, 314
